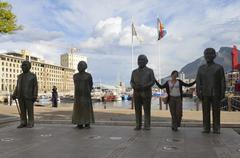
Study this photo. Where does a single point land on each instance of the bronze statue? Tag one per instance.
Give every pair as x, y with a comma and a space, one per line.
211, 90
26, 92
142, 81
82, 109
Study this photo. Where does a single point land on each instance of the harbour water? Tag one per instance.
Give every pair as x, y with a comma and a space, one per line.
188, 104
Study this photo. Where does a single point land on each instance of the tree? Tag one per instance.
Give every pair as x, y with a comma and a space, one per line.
7, 19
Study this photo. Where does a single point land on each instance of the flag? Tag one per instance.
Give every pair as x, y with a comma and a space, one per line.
160, 29
134, 33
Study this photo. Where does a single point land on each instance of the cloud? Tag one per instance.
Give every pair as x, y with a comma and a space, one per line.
32, 35
102, 30
110, 27
104, 33
92, 43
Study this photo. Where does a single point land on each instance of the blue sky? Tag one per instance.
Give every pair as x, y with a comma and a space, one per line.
101, 30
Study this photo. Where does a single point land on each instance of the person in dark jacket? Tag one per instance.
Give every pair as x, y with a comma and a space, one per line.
175, 95
54, 97
26, 92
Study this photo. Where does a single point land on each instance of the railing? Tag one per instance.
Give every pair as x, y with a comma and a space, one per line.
233, 103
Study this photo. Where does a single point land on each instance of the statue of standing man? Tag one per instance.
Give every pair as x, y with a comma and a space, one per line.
26, 92
82, 109
211, 90
142, 81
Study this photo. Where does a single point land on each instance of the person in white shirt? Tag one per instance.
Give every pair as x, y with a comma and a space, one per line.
174, 99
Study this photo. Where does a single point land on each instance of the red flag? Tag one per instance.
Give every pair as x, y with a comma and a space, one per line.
235, 64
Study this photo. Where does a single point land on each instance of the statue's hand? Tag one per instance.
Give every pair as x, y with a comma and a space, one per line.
222, 96
138, 88
200, 96
34, 99
14, 97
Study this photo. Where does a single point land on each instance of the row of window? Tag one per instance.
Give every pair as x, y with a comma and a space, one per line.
11, 87
11, 60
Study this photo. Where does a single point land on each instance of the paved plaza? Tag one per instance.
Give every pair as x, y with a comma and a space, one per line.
66, 141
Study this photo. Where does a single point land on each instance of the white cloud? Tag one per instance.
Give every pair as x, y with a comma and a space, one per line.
32, 35
104, 29
105, 32
110, 27
92, 43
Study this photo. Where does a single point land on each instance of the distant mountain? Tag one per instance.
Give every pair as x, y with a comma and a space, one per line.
223, 58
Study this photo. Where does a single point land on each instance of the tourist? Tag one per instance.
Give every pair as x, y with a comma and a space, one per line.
174, 98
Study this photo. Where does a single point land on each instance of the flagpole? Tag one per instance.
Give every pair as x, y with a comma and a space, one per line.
132, 43
159, 70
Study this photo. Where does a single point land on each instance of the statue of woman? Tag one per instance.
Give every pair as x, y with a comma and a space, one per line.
82, 109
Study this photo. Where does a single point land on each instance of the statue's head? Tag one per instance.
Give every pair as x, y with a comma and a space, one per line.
142, 61
26, 66
54, 88
209, 55
174, 74
82, 66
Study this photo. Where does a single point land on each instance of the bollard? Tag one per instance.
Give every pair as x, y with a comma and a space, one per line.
229, 104
160, 103
132, 103
197, 106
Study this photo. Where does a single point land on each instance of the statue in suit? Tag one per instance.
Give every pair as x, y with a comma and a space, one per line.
142, 81
26, 92
210, 85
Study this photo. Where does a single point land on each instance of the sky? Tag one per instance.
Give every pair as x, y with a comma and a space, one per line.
101, 30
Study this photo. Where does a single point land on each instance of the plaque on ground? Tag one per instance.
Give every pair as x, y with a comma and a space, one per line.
170, 148
174, 140
94, 137
115, 138
46, 135
7, 139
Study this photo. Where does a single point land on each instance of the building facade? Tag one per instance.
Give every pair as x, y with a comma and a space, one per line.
232, 78
72, 59
48, 75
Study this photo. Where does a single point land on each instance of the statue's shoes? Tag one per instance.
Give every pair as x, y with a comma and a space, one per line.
21, 126
205, 131
174, 129
87, 126
137, 128
30, 126
216, 132
80, 126
146, 128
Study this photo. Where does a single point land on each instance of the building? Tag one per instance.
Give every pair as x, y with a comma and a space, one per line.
231, 78
48, 75
72, 59
182, 76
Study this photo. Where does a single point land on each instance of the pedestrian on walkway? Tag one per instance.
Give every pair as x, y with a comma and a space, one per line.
54, 97
174, 98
